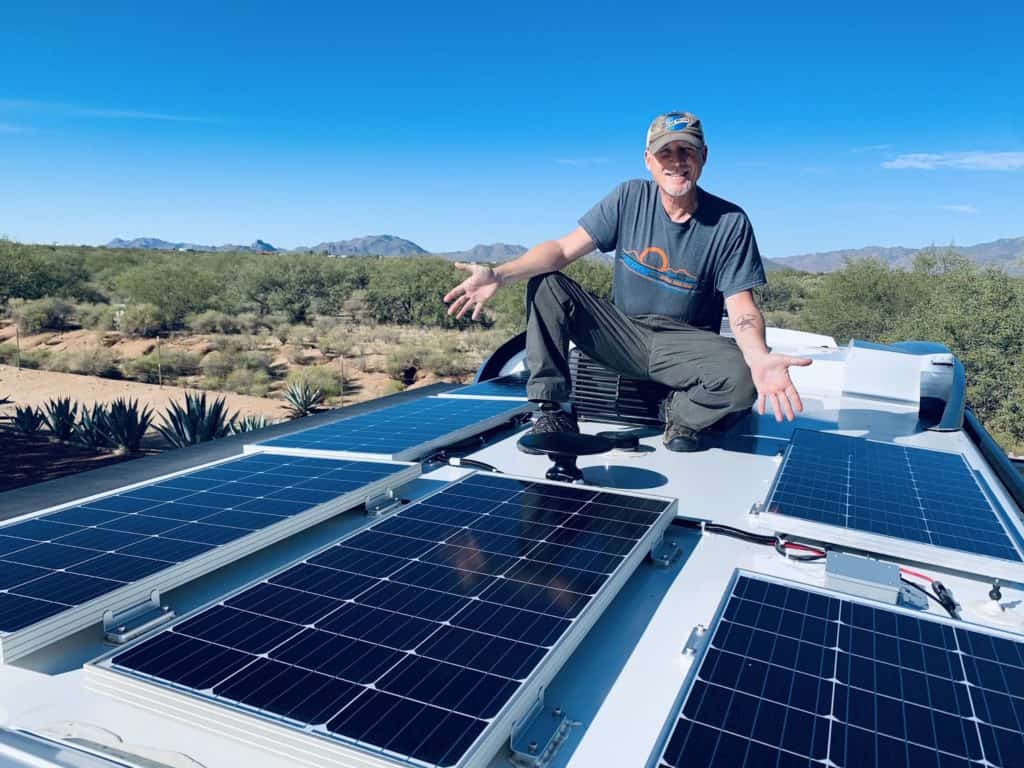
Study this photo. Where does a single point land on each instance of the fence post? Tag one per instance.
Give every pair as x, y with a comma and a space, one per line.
159, 365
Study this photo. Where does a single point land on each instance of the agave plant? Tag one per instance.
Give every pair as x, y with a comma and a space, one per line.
93, 427
127, 424
196, 422
302, 400
61, 414
28, 420
5, 400
248, 423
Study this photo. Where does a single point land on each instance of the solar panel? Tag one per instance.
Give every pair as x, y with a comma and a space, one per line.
793, 676
121, 546
510, 387
402, 432
422, 638
931, 497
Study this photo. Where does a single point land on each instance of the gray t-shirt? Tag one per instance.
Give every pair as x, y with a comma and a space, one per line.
683, 271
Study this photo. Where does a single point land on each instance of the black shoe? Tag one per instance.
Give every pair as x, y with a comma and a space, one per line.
554, 420
681, 439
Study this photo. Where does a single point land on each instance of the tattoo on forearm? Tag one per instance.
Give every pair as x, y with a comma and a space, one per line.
746, 322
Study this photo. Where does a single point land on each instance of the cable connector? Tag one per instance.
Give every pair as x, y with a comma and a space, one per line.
945, 598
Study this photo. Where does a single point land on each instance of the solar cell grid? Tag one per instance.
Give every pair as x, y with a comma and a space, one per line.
510, 387
919, 495
415, 615
403, 431
66, 558
794, 677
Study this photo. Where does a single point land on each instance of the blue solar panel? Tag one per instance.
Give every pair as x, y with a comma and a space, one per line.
794, 677
511, 387
411, 636
893, 490
406, 431
56, 561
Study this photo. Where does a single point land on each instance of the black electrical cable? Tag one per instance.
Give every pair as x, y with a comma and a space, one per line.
739, 533
930, 596
456, 461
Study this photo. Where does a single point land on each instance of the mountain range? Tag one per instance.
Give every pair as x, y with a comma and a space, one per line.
1007, 253
371, 245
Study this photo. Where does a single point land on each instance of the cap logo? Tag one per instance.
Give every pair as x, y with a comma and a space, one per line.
677, 124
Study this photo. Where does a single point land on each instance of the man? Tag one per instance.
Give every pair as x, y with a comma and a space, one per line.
680, 254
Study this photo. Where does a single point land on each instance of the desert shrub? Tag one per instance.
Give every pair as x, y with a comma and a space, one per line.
392, 387
8, 354
246, 381
248, 322
47, 314
410, 291
299, 335
175, 285
168, 364
336, 341
402, 363
97, 317
212, 321
234, 344
254, 360
217, 365
36, 358
446, 363
88, 361
322, 377
140, 320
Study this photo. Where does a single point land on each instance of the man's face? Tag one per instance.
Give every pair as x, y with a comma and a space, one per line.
676, 167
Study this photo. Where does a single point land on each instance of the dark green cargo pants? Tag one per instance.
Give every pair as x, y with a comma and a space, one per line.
706, 370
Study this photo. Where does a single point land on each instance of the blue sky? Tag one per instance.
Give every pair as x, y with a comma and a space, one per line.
897, 123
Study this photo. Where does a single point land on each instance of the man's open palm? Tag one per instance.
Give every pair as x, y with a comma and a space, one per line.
775, 388
473, 292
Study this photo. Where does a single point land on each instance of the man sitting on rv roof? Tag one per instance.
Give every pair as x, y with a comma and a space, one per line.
680, 254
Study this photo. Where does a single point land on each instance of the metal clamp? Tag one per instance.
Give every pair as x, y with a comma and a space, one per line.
130, 623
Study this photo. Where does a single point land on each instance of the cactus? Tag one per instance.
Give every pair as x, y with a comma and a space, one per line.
196, 421
302, 400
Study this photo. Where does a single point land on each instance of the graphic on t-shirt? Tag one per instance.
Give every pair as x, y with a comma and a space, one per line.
652, 263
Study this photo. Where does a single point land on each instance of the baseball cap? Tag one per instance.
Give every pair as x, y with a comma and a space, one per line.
675, 126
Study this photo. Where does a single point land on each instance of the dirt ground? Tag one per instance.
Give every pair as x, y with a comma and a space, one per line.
37, 387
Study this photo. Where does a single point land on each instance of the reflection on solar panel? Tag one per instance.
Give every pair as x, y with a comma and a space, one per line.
409, 638
406, 431
160, 535
511, 387
793, 677
892, 490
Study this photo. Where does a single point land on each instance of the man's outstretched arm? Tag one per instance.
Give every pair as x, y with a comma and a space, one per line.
769, 371
549, 256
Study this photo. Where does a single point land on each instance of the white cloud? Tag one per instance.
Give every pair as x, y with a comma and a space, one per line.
959, 208
581, 162
969, 161
100, 112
